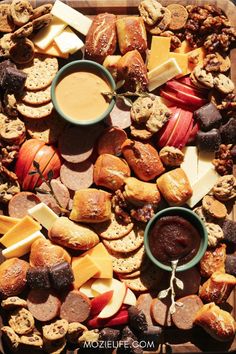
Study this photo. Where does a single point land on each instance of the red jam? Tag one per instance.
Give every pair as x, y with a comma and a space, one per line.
172, 238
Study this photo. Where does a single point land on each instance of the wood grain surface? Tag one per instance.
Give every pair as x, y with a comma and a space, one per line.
174, 340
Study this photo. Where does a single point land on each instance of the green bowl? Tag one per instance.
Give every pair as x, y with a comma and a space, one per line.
82, 65
194, 220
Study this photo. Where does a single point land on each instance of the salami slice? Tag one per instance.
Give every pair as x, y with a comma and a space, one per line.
184, 314
21, 202
111, 140
191, 279
77, 176
120, 115
76, 143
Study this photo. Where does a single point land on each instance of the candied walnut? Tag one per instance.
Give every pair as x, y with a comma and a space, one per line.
8, 153
9, 185
120, 207
175, 42
143, 214
223, 161
212, 63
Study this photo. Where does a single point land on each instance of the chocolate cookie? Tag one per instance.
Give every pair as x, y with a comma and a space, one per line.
32, 339
42, 21
141, 109
203, 77
13, 302
215, 233
171, 156
159, 116
23, 32
151, 11
75, 330
21, 321
12, 131
41, 10
12, 338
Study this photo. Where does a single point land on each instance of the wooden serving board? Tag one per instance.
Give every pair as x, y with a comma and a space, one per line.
174, 340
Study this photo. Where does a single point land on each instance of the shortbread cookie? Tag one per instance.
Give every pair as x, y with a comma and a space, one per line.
151, 11
21, 12
6, 23
127, 263
36, 98
23, 32
225, 188
32, 339
13, 302
162, 25
54, 347
203, 77
113, 229
35, 112
46, 129
179, 16
55, 330
40, 72
41, 10
22, 51
213, 207
42, 21
126, 244
21, 321
215, 233
12, 338
223, 84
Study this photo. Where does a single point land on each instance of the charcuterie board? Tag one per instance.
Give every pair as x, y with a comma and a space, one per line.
174, 340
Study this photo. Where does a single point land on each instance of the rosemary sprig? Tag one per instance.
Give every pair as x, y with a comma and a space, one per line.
164, 293
48, 183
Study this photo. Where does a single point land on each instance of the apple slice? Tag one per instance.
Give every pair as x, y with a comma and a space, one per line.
183, 99
178, 136
191, 99
116, 301
186, 138
181, 87
187, 81
99, 302
130, 298
120, 318
193, 133
165, 132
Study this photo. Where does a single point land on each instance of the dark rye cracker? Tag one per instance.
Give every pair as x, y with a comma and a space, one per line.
113, 229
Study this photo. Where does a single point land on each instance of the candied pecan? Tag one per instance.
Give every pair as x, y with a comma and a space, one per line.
211, 63
9, 185
223, 161
8, 153
143, 214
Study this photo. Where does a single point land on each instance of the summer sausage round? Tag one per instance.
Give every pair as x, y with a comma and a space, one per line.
43, 304
75, 307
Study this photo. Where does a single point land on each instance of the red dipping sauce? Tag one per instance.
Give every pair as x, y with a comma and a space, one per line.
172, 238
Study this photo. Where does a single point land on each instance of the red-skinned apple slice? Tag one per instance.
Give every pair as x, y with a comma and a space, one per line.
171, 96
180, 87
115, 303
120, 318
193, 133
181, 128
183, 99
187, 81
99, 302
191, 99
26, 154
43, 156
165, 132
186, 138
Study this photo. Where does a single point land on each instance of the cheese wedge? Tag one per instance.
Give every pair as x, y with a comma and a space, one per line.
202, 186
24, 228
43, 214
68, 42
199, 54
163, 73
159, 52
46, 35
99, 251
190, 163
22, 247
205, 162
53, 50
182, 61
72, 17
6, 223
105, 267
84, 268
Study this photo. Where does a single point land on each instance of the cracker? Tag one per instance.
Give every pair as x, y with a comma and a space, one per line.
148, 279
113, 229
34, 112
126, 244
136, 273
127, 263
46, 129
40, 72
37, 97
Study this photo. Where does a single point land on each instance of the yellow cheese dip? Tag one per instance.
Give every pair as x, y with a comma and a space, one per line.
79, 95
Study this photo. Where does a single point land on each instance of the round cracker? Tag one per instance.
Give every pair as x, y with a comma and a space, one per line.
147, 280
46, 129
113, 229
136, 273
126, 244
40, 72
36, 98
34, 112
127, 263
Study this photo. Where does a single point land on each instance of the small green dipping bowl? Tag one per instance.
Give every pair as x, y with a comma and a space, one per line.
194, 220
89, 66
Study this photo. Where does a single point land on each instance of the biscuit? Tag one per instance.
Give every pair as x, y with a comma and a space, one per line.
151, 11
126, 244
12, 338
34, 112
214, 208
225, 188
223, 83
41, 10
21, 321
22, 51
21, 11
55, 330
127, 263
179, 16
6, 23
113, 229
205, 78
13, 302
162, 25
32, 339
35, 98
42, 21
40, 72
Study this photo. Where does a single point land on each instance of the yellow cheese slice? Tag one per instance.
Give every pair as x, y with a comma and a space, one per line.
159, 53
105, 266
44, 215
22, 247
6, 223
87, 290
182, 60
99, 251
24, 228
84, 268
199, 54
184, 48
53, 50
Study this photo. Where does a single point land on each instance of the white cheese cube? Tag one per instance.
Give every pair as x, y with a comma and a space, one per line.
43, 214
47, 34
68, 42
